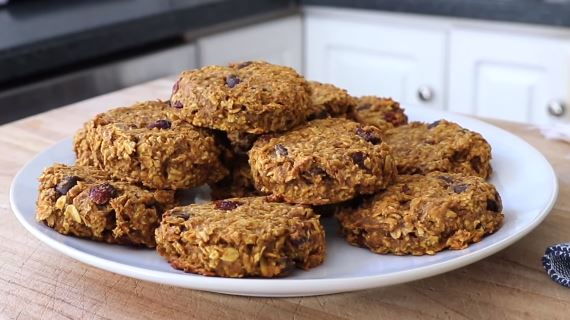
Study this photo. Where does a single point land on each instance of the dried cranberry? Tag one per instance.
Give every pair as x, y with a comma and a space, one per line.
175, 86
160, 124
102, 193
177, 105
244, 64
365, 106
368, 136
460, 188
358, 158
433, 124
226, 204
66, 184
281, 150
232, 81
492, 205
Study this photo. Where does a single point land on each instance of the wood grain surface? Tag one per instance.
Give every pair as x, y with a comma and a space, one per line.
37, 282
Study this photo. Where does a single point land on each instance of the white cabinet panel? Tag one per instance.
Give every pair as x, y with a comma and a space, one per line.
507, 76
278, 41
369, 57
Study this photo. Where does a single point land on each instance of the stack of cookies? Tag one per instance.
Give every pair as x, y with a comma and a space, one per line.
276, 150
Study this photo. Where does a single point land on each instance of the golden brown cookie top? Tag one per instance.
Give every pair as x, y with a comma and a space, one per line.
383, 113
328, 100
254, 97
440, 146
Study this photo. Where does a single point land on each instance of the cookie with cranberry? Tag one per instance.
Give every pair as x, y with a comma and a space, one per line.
84, 202
141, 144
383, 113
322, 162
424, 214
328, 100
440, 146
241, 237
254, 97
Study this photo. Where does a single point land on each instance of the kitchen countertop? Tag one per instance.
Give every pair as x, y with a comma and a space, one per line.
38, 282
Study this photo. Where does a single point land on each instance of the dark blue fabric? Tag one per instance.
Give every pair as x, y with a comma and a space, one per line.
556, 262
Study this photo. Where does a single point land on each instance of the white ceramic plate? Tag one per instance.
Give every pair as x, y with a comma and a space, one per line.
524, 178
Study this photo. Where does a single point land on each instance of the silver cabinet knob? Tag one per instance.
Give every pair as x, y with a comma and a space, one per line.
556, 108
425, 94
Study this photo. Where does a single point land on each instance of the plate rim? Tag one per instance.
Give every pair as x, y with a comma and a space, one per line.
302, 287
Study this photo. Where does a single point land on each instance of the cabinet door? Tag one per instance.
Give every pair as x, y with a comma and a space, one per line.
507, 76
372, 58
278, 41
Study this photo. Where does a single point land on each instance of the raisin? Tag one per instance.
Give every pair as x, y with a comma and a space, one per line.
160, 124
358, 158
244, 64
281, 150
368, 136
66, 184
175, 86
226, 204
460, 188
178, 105
232, 81
365, 106
433, 124
102, 193
492, 205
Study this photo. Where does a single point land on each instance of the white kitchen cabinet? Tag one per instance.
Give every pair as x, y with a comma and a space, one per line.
277, 41
507, 75
372, 57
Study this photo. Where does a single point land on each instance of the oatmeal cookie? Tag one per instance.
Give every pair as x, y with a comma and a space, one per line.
239, 183
325, 161
383, 113
84, 202
254, 97
328, 100
424, 215
140, 144
241, 237
439, 146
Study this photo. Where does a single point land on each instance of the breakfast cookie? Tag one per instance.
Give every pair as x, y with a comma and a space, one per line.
239, 183
383, 113
140, 144
86, 203
254, 97
329, 101
325, 161
440, 146
241, 237
424, 214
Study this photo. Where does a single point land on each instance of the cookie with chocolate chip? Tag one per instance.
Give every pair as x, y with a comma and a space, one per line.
141, 144
383, 113
85, 202
255, 97
322, 162
439, 146
424, 214
241, 237
328, 100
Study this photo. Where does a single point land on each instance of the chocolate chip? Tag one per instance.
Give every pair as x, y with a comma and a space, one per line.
460, 188
492, 205
102, 193
433, 124
244, 64
368, 136
365, 106
160, 124
177, 105
232, 81
66, 184
175, 86
226, 204
281, 150
358, 158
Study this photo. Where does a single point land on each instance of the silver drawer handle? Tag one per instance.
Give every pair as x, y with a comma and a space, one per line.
425, 94
556, 108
